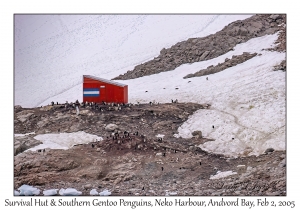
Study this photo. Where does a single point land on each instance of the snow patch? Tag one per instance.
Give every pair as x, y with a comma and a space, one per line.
28, 190
50, 192
64, 140
69, 191
105, 193
220, 174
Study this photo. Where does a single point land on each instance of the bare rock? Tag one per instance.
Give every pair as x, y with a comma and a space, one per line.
111, 127
269, 150
23, 143
197, 133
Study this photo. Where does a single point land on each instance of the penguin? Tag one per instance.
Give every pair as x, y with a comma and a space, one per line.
206, 78
93, 145
162, 168
213, 126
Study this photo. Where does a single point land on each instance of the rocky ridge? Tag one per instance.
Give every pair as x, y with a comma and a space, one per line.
235, 60
212, 46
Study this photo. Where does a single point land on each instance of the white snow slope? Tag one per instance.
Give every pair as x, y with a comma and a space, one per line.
248, 100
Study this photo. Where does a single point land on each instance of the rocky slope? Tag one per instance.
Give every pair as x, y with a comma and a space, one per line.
139, 164
235, 60
212, 46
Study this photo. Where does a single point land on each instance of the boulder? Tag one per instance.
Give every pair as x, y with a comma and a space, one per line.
111, 127
269, 150
197, 133
204, 55
241, 169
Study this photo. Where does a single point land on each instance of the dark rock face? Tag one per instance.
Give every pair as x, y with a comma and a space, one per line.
212, 46
281, 66
235, 60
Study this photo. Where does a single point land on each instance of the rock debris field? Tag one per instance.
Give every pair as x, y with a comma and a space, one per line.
133, 151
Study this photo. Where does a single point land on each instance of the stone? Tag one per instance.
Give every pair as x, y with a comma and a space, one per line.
282, 163
87, 186
269, 150
197, 133
241, 169
111, 127
191, 148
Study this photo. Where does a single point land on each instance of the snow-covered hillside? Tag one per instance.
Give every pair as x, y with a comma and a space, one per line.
52, 52
248, 100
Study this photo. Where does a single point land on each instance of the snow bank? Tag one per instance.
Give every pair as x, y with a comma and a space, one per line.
94, 192
64, 140
28, 190
105, 193
248, 100
69, 191
50, 192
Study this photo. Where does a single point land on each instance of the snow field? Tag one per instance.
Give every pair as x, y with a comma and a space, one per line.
52, 52
64, 140
248, 100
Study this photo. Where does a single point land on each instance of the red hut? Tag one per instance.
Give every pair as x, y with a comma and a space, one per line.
96, 89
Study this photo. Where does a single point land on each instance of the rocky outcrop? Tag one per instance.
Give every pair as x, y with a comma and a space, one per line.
281, 66
212, 46
23, 143
235, 60
197, 134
